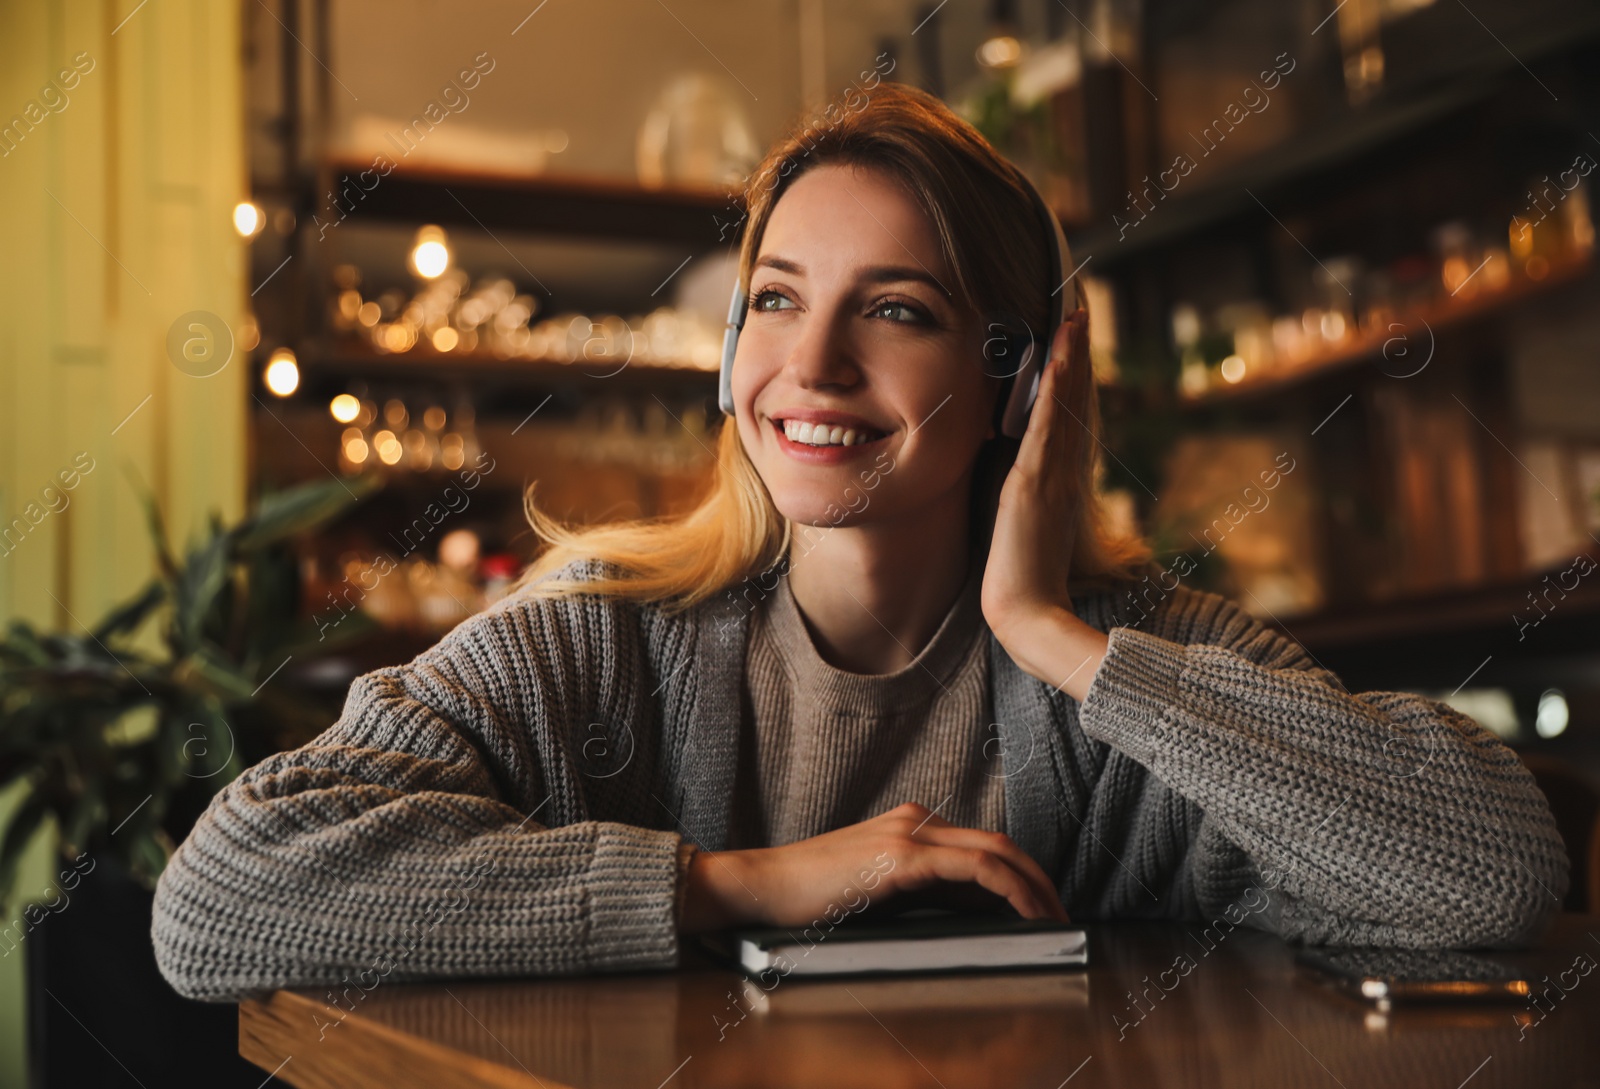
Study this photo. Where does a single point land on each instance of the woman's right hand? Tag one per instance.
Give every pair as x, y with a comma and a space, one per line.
907, 857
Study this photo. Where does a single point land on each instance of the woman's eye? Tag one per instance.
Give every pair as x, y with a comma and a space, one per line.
906, 312
759, 301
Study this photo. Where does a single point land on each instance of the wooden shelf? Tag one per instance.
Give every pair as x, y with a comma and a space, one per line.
1306, 159
1449, 610
353, 358
554, 204
1440, 638
1365, 348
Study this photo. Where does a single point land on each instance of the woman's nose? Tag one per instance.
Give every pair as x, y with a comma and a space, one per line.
821, 353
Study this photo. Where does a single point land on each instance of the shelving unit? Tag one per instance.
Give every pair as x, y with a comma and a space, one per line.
1318, 161
1460, 148
531, 414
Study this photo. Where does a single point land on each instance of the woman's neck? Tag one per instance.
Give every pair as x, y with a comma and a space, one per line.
873, 596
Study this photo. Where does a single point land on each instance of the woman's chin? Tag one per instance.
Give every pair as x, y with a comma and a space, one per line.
822, 514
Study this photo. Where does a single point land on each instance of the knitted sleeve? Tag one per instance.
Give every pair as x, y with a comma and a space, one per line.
429, 832
1375, 818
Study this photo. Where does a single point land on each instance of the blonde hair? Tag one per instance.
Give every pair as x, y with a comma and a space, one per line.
991, 236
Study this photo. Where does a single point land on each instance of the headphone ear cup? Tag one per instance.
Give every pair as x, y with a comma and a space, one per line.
1024, 388
730, 347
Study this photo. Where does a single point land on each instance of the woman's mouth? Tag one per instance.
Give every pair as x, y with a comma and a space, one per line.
823, 443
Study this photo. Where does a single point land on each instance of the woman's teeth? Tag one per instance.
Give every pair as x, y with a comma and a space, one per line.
823, 435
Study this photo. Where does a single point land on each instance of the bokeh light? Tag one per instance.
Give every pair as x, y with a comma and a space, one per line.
283, 373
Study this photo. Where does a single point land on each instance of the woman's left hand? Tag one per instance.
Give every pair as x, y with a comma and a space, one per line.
1025, 583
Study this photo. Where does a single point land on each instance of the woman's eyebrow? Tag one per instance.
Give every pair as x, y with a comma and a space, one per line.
877, 274
883, 274
782, 264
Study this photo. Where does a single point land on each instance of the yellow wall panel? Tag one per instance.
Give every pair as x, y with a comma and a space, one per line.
115, 219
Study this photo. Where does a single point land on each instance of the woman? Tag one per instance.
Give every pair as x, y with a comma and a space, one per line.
902, 664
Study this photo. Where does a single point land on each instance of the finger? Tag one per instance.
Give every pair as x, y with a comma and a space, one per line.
920, 816
1067, 351
1072, 381
933, 829
1061, 343
1033, 454
991, 872
999, 844
1005, 848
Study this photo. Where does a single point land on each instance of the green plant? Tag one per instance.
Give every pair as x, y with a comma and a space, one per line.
123, 748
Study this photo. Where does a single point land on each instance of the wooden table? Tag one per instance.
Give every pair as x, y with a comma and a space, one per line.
1240, 1015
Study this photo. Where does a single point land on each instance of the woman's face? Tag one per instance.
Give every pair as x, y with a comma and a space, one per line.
853, 325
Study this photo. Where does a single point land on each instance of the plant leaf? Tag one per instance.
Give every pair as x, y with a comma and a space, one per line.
129, 615
285, 513
210, 674
158, 532
204, 574
23, 646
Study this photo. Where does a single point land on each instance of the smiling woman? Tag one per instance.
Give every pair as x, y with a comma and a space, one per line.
903, 211
689, 723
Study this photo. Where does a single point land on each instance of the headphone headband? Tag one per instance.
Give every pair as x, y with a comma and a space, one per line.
1025, 384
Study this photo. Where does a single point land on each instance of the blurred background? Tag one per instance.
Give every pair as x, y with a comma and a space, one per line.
298, 297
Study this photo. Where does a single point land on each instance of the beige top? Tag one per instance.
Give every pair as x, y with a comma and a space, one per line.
823, 748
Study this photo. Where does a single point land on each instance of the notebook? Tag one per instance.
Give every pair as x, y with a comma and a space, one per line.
921, 944
1019, 989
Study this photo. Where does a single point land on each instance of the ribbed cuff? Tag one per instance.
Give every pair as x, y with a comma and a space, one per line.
1132, 690
631, 889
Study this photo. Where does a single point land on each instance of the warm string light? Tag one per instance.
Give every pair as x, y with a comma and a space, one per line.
248, 219
344, 408
430, 255
1000, 51
391, 434
282, 375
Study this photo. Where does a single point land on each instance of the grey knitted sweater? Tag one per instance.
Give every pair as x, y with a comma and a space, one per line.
513, 801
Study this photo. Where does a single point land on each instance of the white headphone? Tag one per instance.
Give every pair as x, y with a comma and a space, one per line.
1025, 387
